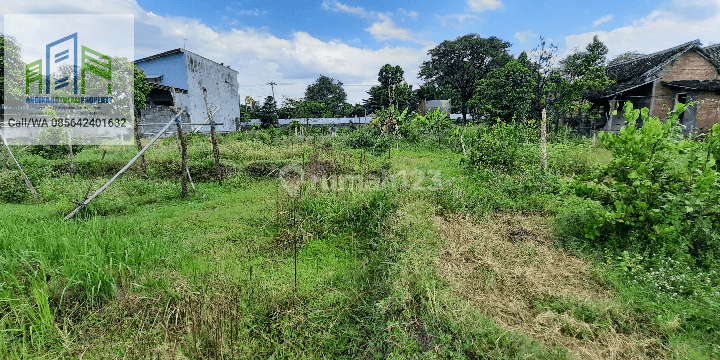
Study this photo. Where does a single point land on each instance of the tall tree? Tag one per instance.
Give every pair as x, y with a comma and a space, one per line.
505, 94
392, 82
460, 63
11, 68
304, 108
580, 72
268, 112
328, 91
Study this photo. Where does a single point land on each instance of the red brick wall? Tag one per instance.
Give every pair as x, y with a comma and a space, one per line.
662, 100
689, 66
707, 112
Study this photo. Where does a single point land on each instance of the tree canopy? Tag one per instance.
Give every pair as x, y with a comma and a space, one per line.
506, 93
460, 63
392, 82
268, 112
327, 91
579, 72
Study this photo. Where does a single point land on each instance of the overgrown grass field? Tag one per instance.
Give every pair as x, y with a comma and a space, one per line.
428, 245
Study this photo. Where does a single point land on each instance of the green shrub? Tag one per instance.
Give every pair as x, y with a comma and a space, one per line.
574, 217
496, 147
656, 189
12, 187
55, 136
570, 159
501, 147
363, 138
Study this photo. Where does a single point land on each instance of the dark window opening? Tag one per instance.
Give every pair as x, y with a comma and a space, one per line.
681, 99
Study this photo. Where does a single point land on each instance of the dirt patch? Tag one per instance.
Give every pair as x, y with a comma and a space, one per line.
507, 262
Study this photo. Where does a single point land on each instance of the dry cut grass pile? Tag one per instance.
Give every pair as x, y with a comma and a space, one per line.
506, 264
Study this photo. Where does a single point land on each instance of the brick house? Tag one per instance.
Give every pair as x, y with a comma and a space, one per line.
659, 81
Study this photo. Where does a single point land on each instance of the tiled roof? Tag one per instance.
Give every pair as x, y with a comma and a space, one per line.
636, 72
695, 84
713, 52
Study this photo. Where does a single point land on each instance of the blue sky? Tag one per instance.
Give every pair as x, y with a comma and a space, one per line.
294, 42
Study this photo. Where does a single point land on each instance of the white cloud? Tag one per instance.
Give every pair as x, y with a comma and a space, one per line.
386, 29
412, 14
256, 54
661, 29
482, 5
383, 27
336, 6
603, 20
457, 18
523, 36
254, 12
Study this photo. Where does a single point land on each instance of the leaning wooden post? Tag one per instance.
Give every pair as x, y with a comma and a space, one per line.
139, 146
213, 139
132, 161
184, 175
27, 180
543, 141
183, 154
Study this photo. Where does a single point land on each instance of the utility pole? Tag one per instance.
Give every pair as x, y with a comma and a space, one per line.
272, 86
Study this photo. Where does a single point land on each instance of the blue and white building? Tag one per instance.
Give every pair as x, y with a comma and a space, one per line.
190, 73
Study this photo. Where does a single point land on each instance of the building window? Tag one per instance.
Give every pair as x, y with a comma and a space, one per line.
680, 98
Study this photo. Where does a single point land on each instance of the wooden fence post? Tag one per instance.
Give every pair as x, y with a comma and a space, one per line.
213, 138
183, 147
139, 146
543, 141
183, 154
25, 177
184, 175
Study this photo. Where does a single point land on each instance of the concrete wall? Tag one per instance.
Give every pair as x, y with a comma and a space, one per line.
222, 89
158, 114
172, 68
